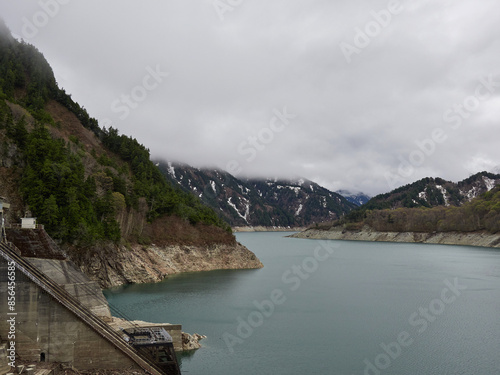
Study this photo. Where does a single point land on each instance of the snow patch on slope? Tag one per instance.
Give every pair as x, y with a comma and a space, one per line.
471, 194
490, 184
299, 209
443, 191
247, 208
171, 169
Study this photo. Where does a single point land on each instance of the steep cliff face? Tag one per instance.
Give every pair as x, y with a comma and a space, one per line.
113, 266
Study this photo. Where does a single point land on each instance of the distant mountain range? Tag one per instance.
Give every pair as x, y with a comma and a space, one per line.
430, 205
259, 202
432, 192
358, 199
297, 203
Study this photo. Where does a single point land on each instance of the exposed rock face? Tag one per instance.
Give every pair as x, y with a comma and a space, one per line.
482, 239
191, 342
113, 266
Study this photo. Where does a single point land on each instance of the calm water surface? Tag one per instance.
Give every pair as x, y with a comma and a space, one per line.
343, 308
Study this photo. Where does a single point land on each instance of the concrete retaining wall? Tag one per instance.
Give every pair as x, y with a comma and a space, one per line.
76, 283
46, 329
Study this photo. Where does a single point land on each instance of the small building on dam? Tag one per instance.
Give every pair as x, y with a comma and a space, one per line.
52, 312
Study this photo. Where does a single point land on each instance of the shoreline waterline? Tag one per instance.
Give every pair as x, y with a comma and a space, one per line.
338, 312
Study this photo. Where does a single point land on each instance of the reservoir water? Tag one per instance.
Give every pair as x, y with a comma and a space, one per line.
334, 307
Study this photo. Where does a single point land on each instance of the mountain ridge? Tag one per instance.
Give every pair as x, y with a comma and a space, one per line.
435, 191
358, 198
477, 211
259, 202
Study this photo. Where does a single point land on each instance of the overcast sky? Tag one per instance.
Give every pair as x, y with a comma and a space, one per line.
363, 95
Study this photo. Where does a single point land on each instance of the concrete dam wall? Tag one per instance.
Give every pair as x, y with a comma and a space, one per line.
59, 314
47, 331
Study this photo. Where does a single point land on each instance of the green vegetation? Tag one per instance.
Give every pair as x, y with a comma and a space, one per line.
78, 204
26, 77
55, 188
481, 214
150, 183
408, 195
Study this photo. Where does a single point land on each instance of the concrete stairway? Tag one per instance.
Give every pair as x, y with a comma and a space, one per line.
34, 243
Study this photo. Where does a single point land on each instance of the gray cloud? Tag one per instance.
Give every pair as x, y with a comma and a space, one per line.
355, 121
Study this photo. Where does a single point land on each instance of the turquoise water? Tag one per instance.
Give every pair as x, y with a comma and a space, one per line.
333, 307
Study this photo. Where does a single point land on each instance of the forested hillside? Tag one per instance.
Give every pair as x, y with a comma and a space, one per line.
480, 214
259, 202
84, 183
432, 192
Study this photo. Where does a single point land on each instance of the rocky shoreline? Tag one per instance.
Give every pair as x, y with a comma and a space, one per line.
481, 239
114, 266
